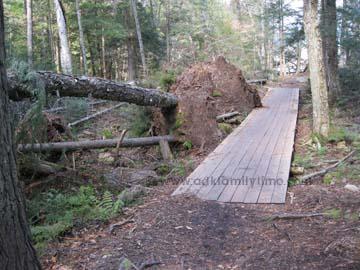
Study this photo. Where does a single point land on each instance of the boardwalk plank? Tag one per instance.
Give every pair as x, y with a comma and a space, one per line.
250, 173
267, 190
260, 148
253, 191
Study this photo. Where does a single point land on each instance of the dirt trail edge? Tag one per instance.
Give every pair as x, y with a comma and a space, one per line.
187, 233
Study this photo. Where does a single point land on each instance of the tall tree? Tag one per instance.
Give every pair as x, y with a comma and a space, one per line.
81, 37
16, 250
29, 34
65, 54
318, 81
139, 36
329, 32
282, 40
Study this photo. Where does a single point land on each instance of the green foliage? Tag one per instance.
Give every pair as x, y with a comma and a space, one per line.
301, 161
328, 179
180, 169
179, 121
107, 133
53, 213
141, 123
341, 134
293, 182
188, 145
322, 151
216, 93
225, 127
33, 127
334, 213
163, 169
167, 79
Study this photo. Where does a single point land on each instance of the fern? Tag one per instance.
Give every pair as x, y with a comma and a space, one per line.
110, 207
53, 213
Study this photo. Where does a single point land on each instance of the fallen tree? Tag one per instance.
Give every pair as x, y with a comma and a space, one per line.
83, 86
96, 144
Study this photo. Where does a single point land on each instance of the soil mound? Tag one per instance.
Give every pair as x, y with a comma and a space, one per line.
207, 90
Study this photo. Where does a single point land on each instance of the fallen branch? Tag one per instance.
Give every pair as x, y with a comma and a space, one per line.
122, 136
92, 116
295, 215
148, 264
223, 117
285, 233
96, 144
259, 81
120, 224
326, 170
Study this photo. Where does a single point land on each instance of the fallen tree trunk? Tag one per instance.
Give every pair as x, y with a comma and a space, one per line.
72, 86
69, 146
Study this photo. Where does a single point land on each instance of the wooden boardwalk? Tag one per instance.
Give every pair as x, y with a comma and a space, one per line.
252, 164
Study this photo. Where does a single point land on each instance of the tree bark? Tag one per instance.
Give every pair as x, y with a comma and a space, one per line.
139, 36
132, 72
344, 52
50, 33
329, 32
282, 45
29, 34
97, 144
68, 85
16, 250
298, 58
81, 37
319, 90
65, 55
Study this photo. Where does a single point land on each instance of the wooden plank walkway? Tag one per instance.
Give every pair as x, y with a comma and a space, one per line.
252, 164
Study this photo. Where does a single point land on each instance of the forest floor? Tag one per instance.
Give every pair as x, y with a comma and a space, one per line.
187, 233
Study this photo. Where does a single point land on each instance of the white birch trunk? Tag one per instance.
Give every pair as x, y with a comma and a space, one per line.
139, 36
29, 34
65, 55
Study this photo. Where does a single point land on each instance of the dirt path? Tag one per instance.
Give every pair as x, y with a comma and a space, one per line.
187, 233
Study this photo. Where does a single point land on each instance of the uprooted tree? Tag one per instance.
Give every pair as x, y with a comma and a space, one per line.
201, 93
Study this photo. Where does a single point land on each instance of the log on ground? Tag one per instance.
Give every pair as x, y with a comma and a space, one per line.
96, 144
83, 86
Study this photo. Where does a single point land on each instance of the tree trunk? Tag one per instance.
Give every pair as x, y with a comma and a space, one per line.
50, 33
298, 58
282, 45
132, 73
139, 36
168, 38
97, 144
16, 250
344, 33
317, 67
65, 55
81, 37
329, 30
29, 34
99, 88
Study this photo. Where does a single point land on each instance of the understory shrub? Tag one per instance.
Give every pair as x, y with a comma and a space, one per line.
52, 213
